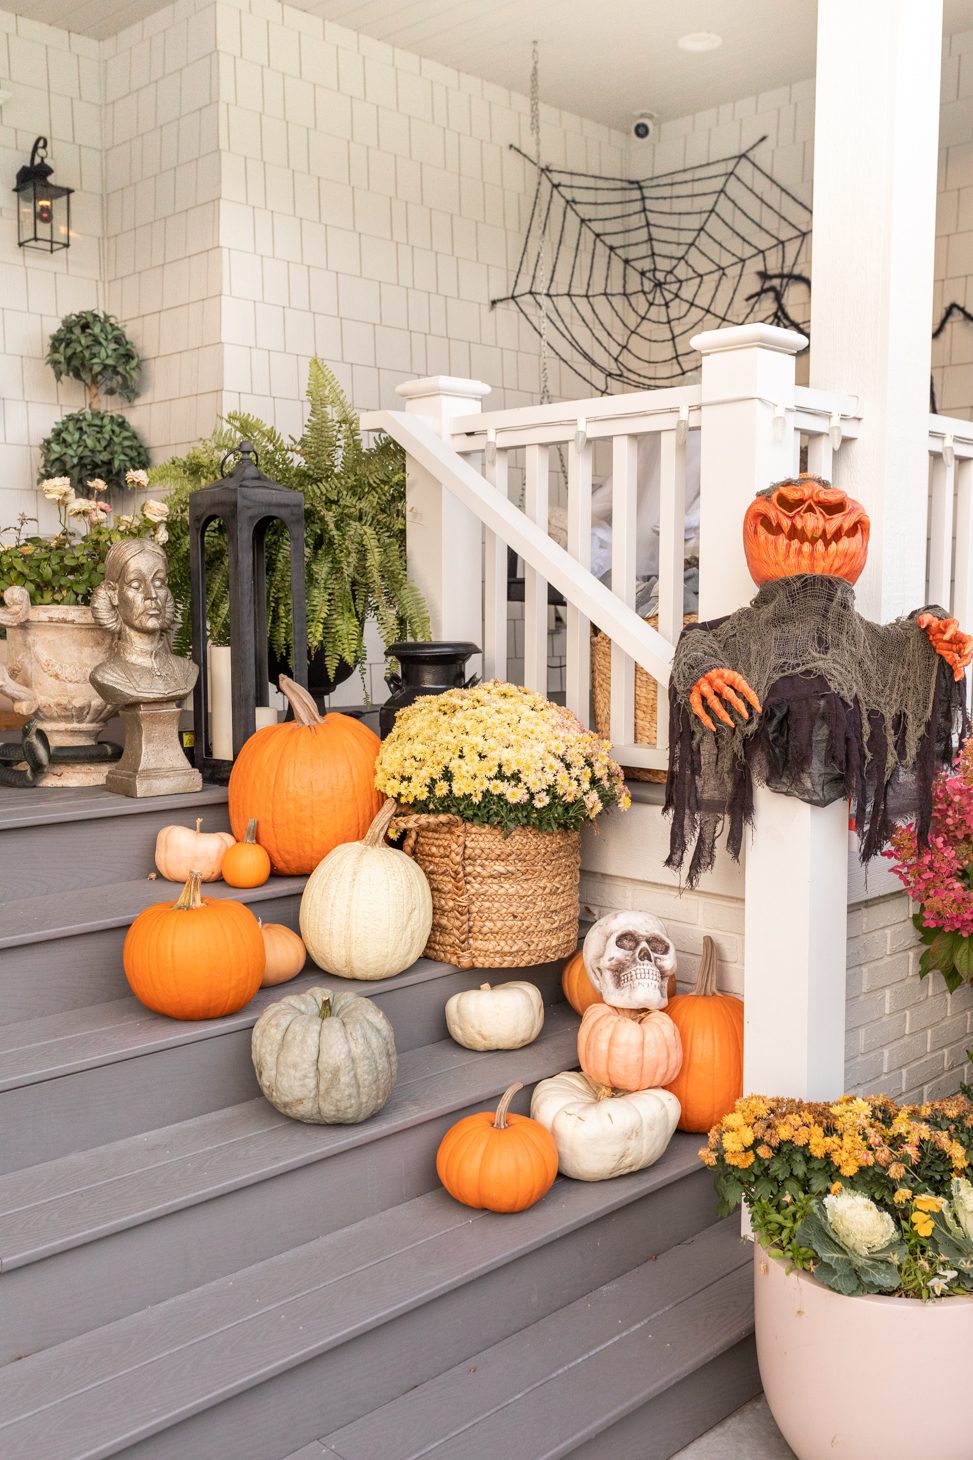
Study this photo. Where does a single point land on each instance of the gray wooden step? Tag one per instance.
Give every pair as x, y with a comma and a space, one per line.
52, 841
64, 952
94, 1075
146, 1218
567, 1381
260, 1362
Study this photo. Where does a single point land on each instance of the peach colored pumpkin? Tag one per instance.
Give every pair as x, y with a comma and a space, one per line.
628, 1050
180, 850
286, 954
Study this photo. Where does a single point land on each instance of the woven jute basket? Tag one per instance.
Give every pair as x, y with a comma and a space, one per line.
646, 697
497, 901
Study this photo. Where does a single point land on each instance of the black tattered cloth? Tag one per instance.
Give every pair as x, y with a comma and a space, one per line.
869, 712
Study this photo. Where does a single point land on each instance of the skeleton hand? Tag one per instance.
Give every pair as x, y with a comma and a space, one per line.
725, 682
949, 641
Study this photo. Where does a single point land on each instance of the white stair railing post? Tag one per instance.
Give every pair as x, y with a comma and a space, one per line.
795, 920
444, 540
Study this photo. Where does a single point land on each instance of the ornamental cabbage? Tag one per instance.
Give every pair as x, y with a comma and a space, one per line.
858, 1223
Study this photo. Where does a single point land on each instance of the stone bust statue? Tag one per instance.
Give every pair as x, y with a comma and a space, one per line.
135, 603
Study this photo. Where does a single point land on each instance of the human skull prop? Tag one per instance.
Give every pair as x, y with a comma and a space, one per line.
629, 957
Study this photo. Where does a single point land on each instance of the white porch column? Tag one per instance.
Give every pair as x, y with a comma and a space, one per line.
796, 910
444, 541
876, 144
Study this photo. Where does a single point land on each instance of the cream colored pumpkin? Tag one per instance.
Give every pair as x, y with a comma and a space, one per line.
286, 954
367, 909
504, 1016
179, 850
599, 1134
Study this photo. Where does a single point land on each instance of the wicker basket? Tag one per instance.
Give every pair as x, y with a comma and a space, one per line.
646, 697
497, 901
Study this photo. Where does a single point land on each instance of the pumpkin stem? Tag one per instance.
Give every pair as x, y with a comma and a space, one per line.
199, 822
251, 835
603, 1092
484, 985
500, 1120
325, 1010
376, 833
300, 701
706, 977
189, 899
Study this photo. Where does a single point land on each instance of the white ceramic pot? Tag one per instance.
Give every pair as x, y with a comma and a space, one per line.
862, 1378
53, 650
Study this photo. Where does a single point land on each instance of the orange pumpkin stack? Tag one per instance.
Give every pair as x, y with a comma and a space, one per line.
308, 782
627, 1049
711, 1027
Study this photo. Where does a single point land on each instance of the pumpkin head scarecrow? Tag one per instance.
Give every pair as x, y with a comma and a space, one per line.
800, 693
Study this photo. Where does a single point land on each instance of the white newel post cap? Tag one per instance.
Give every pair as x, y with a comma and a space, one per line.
749, 337
448, 395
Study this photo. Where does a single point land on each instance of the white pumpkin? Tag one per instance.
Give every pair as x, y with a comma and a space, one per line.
502, 1016
599, 1134
367, 909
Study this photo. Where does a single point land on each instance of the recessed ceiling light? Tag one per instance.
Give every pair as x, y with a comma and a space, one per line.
699, 40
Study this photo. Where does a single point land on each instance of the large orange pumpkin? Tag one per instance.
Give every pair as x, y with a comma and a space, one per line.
627, 1049
195, 958
497, 1162
805, 525
308, 782
710, 1025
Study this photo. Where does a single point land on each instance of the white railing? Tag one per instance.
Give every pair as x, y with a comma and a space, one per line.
949, 573
476, 457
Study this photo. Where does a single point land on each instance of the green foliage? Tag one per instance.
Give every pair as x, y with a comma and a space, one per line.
840, 1267
354, 524
948, 952
89, 444
65, 568
93, 348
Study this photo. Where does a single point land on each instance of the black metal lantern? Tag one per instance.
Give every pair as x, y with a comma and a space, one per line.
246, 502
43, 207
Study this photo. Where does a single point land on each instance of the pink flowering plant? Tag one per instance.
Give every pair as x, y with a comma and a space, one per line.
67, 566
939, 875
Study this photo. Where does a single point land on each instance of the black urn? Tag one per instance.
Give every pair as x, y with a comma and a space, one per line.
424, 669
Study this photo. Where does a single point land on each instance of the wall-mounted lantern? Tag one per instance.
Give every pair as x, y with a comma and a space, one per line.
43, 206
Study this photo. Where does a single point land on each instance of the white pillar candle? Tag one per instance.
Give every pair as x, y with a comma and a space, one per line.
220, 702
265, 715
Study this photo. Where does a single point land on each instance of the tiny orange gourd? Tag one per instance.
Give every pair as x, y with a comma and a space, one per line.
195, 958
246, 864
628, 1050
286, 954
710, 1025
496, 1161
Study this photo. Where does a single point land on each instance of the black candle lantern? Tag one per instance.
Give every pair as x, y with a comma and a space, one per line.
246, 502
43, 207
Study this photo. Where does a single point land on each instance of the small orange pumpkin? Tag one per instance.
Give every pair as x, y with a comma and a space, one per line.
286, 954
308, 781
246, 864
497, 1162
195, 958
805, 525
579, 991
179, 850
628, 1049
710, 1025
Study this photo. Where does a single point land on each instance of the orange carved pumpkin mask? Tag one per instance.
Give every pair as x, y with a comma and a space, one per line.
805, 525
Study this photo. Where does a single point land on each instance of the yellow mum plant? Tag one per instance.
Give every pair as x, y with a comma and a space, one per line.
498, 755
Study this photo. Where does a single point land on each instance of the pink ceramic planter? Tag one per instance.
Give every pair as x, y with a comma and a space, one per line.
862, 1378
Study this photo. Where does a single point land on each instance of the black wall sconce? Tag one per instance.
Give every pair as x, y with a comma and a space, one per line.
43, 207
246, 503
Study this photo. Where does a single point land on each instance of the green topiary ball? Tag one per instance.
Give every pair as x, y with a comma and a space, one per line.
90, 444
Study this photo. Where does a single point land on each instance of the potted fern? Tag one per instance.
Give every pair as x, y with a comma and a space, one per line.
354, 498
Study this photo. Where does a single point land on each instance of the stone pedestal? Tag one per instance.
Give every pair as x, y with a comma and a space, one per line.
153, 763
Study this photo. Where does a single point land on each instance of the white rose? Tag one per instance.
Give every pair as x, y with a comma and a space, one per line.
98, 484
58, 489
161, 533
155, 511
963, 1204
138, 478
81, 507
858, 1222
125, 522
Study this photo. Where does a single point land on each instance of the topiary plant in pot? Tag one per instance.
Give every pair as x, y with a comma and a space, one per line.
94, 444
354, 527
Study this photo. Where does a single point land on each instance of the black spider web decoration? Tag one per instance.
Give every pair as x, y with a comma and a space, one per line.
637, 267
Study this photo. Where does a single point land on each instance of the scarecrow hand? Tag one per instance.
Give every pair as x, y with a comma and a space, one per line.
725, 683
949, 641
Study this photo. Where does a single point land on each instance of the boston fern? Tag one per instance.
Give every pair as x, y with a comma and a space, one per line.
354, 529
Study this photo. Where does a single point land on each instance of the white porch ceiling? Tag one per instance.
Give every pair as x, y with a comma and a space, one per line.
604, 59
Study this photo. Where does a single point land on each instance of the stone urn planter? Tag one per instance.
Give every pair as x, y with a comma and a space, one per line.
52, 650
869, 1378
